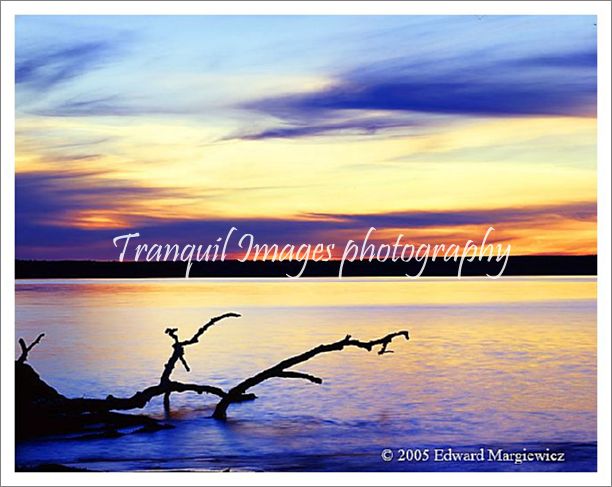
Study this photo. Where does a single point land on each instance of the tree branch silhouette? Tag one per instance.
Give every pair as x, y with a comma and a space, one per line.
165, 387
236, 394
279, 370
25, 349
178, 354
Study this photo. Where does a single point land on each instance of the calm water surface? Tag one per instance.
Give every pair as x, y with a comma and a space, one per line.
502, 364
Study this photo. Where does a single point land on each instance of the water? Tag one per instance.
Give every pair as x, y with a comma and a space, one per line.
502, 364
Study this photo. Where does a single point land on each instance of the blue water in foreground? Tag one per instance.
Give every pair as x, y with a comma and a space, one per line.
508, 364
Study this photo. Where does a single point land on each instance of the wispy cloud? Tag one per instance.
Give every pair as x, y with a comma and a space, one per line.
120, 106
56, 198
582, 211
547, 85
347, 125
45, 69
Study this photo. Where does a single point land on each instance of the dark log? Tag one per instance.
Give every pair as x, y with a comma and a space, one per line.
141, 398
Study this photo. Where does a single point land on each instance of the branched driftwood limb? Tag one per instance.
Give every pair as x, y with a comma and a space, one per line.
179, 346
238, 393
25, 349
279, 370
178, 354
165, 387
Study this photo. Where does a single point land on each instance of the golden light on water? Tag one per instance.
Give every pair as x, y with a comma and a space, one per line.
341, 292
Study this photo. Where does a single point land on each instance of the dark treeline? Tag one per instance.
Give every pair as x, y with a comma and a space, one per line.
517, 266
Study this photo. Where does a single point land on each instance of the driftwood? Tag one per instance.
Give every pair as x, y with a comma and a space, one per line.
167, 386
279, 370
25, 349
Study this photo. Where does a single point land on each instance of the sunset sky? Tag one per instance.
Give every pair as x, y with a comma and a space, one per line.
304, 129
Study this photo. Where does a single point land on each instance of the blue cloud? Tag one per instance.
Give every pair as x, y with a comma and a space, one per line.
349, 126
44, 194
577, 59
47, 68
119, 106
543, 85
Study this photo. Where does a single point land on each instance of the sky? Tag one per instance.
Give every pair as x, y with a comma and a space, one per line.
304, 129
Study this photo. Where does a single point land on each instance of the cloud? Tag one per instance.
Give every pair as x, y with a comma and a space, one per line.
348, 126
583, 211
65, 241
545, 85
577, 59
114, 105
53, 198
122, 106
54, 65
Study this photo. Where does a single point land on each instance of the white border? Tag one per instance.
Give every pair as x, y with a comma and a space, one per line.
10, 9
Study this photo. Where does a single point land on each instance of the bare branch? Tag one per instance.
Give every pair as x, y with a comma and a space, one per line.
288, 374
194, 339
178, 346
165, 387
25, 349
178, 351
184, 362
279, 370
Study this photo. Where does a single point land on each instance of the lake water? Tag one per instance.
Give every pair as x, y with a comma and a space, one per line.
507, 363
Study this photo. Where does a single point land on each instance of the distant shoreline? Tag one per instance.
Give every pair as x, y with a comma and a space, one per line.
517, 266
